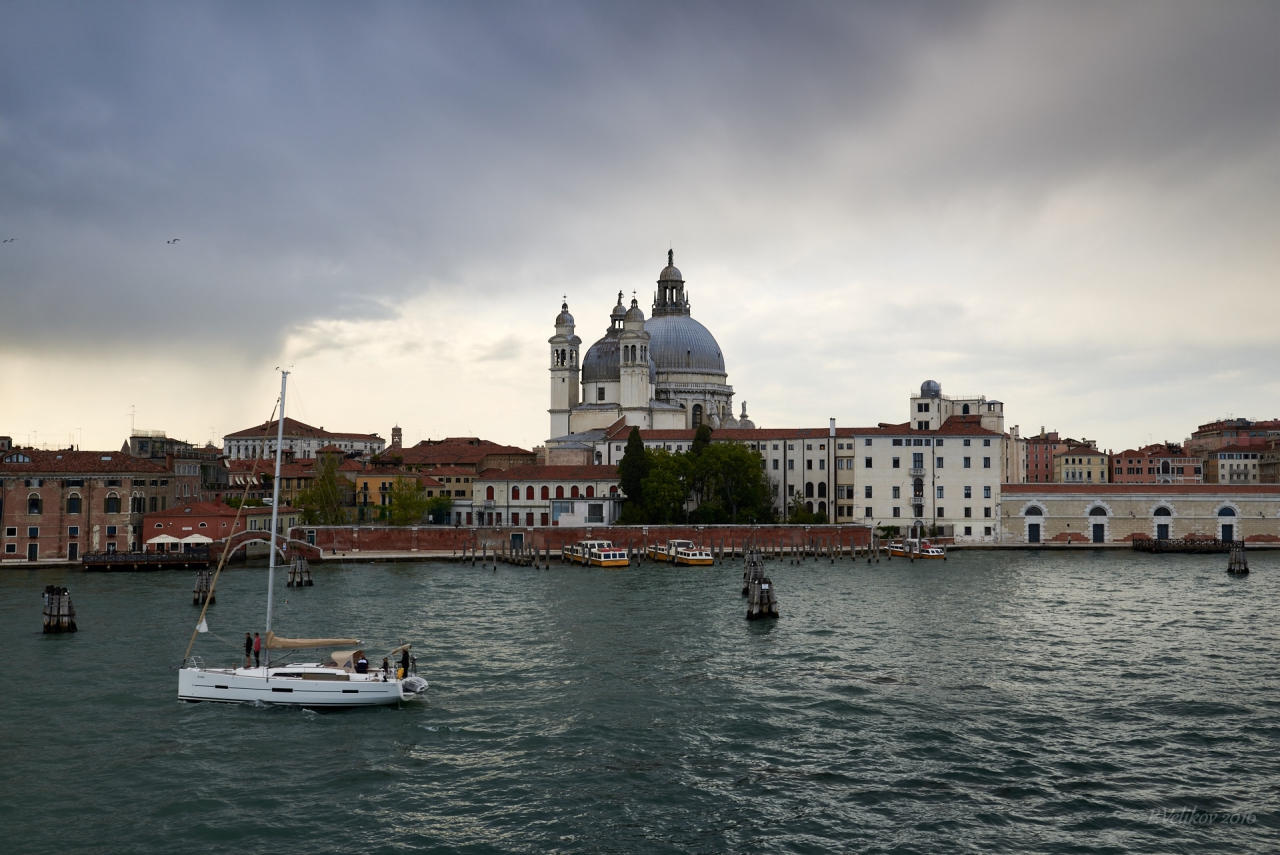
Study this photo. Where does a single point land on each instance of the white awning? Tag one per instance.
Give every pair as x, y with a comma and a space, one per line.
164, 538
196, 538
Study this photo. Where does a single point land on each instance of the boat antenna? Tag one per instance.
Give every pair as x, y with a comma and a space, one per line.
275, 509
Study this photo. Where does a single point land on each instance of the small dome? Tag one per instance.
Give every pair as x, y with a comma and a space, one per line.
564, 318
635, 313
670, 273
619, 311
931, 389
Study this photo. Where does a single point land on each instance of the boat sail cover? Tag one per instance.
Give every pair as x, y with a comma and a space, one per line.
275, 642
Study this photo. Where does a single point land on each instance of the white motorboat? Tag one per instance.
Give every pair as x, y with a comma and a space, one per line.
344, 679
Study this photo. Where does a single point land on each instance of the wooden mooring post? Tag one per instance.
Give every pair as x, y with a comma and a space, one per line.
1237, 563
59, 613
201, 594
762, 599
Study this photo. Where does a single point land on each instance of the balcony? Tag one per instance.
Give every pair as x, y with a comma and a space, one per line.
915, 473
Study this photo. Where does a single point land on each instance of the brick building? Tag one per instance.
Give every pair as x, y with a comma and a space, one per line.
468, 453
62, 504
1162, 463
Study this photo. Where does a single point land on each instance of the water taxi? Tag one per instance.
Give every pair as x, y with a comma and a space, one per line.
917, 549
681, 552
597, 553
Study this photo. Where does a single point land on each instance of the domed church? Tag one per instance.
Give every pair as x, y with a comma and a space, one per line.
665, 372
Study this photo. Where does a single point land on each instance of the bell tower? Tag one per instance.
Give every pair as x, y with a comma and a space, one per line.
633, 368
564, 371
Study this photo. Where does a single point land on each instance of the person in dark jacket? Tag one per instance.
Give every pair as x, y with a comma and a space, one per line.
248, 649
404, 663
362, 665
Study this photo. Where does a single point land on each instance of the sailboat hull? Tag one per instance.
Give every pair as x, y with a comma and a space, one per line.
296, 686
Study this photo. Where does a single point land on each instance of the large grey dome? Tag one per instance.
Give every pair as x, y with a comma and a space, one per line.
679, 343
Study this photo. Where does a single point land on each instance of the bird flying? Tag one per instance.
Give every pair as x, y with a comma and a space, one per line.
175, 240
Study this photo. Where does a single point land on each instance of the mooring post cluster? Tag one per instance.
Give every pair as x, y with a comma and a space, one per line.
59, 613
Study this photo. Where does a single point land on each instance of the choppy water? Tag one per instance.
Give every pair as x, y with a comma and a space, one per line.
1000, 702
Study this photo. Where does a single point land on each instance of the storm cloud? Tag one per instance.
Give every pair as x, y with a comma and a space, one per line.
1071, 207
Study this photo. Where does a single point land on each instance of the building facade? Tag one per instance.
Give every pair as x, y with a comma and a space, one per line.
303, 440
534, 496
1162, 463
59, 505
1119, 513
1081, 465
1234, 464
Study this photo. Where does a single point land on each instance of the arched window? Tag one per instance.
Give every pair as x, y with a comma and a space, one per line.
1164, 468
613, 490
559, 492
1033, 511
546, 492
111, 504
73, 503
488, 493
591, 491
917, 487
822, 489
161, 525
808, 490
515, 493
528, 493
964, 411
1097, 511
697, 415
1163, 512
1227, 512
822, 507
573, 492
599, 458
808, 506
33, 504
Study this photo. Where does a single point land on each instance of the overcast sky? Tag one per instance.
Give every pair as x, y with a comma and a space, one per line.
1071, 207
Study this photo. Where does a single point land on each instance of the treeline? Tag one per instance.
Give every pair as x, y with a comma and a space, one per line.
709, 483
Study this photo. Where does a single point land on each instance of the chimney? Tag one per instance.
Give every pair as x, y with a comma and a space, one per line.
833, 427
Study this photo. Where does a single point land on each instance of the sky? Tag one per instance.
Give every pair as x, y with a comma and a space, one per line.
1073, 208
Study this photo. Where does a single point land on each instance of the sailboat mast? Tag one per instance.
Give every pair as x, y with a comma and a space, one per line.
275, 507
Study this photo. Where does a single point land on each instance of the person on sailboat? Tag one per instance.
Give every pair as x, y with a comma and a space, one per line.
257, 650
404, 663
248, 649
362, 665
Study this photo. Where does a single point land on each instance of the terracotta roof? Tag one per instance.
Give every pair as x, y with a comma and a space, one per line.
293, 427
456, 450
451, 471
76, 463
551, 473
1081, 451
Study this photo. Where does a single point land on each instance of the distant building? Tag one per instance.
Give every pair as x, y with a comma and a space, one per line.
181, 458
1083, 464
1120, 513
1234, 464
1238, 432
1041, 450
1162, 463
537, 496
460, 452
301, 439
62, 504
204, 523
1269, 465
376, 484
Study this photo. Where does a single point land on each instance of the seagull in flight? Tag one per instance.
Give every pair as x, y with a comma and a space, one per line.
10, 240
175, 240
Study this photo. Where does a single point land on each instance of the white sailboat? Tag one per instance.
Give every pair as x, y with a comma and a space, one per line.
340, 680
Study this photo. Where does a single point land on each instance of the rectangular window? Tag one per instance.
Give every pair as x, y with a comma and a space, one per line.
986, 492
839, 462
775, 446
11, 548
922, 426
986, 512
897, 492
938, 444
917, 461
808, 446
840, 492
968, 512
111, 531
966, 462
33, 531
791, 464
966, 443
941, 512
968, 492
791, 446
986, 442
775, 464
808, 464
897, 442
987, 531
897, 511
866, 462
896, 463
968, 530
939, 462
866, 492
940, 492
599, 393
73, 531
868, 512
986, 463
822, 464
867, 441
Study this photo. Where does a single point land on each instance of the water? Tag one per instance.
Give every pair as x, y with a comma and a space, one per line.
1000, 702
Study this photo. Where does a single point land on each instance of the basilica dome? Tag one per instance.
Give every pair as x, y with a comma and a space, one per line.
679, 343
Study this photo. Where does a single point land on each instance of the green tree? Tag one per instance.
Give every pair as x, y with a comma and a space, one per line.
321, 502
701, 440
731, 480
633, 468
798, 514
408, 501
440, 509
666, 487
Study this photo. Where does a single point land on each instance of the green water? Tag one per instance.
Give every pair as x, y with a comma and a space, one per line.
998, 702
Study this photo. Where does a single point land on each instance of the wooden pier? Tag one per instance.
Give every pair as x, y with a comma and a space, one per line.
147, 560
203, 591
1190, 546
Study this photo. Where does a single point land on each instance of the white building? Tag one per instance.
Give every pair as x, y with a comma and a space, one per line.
300, 438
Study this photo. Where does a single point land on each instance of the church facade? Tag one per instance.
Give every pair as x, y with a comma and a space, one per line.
664, 372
